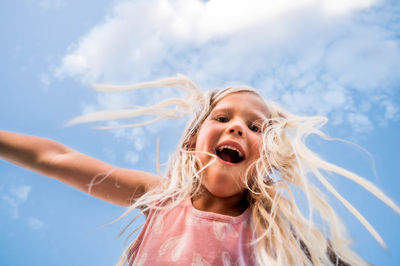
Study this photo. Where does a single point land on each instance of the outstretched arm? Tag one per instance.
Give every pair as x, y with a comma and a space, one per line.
113, 184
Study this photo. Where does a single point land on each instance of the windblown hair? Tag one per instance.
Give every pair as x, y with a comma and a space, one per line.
283, 233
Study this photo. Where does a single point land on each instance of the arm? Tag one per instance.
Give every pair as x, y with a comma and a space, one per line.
53, 159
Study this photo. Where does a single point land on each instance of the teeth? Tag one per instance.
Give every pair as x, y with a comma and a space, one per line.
230, 147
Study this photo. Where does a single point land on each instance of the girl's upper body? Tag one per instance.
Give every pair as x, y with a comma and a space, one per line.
186, 236
227, 193
216, 229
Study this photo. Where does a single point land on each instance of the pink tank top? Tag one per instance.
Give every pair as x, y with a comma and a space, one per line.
187, 236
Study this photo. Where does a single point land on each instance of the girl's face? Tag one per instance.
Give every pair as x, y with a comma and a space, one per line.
232, 132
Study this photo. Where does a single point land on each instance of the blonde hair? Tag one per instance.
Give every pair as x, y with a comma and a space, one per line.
283, 235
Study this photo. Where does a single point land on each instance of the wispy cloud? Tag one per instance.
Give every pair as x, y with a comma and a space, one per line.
21, 192
35, 223
51, 4
131, 157
15, 197
12, 205
45, 80
334, 58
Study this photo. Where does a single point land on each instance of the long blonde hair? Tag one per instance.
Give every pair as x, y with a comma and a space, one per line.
284, 235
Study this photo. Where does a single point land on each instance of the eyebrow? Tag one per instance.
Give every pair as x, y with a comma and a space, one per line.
253, 114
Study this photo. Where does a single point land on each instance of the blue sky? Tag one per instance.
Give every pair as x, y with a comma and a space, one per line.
340, 59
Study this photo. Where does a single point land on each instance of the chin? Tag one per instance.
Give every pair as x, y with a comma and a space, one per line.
222, 184
225, 193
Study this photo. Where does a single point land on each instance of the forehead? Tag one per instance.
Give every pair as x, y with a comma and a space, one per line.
247, 102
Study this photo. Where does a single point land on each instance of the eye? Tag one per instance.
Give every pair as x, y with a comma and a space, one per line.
222, 119
254, 128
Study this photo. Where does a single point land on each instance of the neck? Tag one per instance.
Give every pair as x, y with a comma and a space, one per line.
232, 206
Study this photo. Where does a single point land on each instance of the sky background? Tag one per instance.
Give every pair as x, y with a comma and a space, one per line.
340, 59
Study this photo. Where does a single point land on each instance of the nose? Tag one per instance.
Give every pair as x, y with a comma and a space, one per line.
235, 128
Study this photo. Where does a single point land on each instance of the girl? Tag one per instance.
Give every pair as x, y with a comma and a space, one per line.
227, 197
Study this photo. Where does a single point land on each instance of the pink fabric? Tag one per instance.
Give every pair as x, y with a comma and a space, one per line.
187, 236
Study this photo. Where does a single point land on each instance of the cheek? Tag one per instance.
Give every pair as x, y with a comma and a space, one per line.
203, 144
256, 147
206, 138
200, 143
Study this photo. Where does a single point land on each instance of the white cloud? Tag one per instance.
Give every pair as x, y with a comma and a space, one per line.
15, 197
34, 223
360, 122
335, 58
12, 206
391, 111
109, 154
132, 157
135, 136
344, 6
51, 4
21, 192
44, 80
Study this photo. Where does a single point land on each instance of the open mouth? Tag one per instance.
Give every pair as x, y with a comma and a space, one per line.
229, 154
